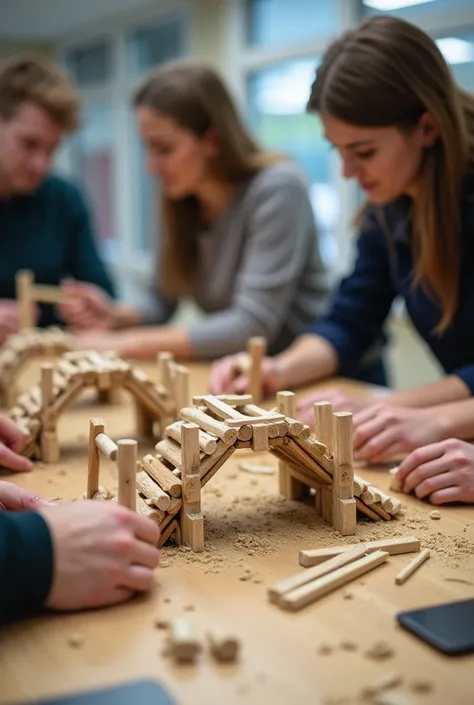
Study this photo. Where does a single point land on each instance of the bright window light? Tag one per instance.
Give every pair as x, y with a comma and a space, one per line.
456, 51
389, 5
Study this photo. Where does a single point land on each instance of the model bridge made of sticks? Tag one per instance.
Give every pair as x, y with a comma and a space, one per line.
168, 484
36, 412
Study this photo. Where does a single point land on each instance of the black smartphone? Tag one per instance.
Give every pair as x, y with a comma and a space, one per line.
143, 692
448, 627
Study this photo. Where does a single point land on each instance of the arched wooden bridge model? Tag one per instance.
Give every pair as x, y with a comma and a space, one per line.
24, 346
168, 484
36, 412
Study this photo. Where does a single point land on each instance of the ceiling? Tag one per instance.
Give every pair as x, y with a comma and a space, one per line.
49, 19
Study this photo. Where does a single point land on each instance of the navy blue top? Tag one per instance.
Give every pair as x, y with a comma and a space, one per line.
383, 270
49, 232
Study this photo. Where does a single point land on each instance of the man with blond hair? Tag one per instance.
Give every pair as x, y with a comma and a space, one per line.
45, 225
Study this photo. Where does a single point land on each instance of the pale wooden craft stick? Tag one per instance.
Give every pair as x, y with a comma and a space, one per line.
409, 569
407, 544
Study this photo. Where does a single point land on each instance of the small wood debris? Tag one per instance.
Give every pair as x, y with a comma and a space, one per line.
386, 682
161, 623
435, 514
257, 469
348, 645
189, 608
421, 686
183, 645
223, 647
392, 697
379, 651
347, 596
325, 649
76, 640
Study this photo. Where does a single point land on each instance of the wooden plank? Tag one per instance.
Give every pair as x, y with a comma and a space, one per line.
309, 593
207, 423
162, 475
152, 491
409, 569
407, 544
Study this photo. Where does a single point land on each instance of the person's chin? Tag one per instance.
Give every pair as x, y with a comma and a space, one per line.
176, 193
25, 186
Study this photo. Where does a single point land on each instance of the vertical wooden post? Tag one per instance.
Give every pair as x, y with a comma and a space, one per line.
344, 504
182, 394
24, 295
144, 420
127, 473
257, 349
164, 368
192, 522
323, 433
48, 439
289, 487
96, 426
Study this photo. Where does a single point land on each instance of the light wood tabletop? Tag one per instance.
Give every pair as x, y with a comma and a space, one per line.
322, 654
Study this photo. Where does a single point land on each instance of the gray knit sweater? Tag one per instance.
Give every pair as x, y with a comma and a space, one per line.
260, 270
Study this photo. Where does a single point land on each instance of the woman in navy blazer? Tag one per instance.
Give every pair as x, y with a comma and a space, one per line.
405, 131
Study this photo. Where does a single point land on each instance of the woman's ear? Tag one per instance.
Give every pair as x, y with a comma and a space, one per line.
428, 129
211, 142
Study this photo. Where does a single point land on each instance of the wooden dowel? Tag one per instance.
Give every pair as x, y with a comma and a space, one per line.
127, 472
311, 557
409, 569
96, 426
107, 446
306, 576
162, 475
257, 348
153, 491
305, 595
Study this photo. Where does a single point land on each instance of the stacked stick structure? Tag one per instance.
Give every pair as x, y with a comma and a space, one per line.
36, 412
24, 346
214, 427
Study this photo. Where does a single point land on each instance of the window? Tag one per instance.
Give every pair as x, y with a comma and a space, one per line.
154, 43
94, 162
277, 109
459, 53
148, 206
416, 10
273, 22
90, 64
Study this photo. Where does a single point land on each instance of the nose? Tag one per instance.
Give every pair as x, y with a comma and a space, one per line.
41, 162
349, 168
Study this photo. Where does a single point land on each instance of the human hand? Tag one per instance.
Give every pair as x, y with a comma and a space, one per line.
103, 554
11, 440
10, 317
383, 431
99, 340
230, 375
338, 400
17, 499
86, 306
442, 472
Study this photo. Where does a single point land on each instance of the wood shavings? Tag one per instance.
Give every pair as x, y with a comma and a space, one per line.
379, 651
435, 514
392, 697
257, 469
161, 623
421, 686
76, 640
348, 645
325, 649
387, 682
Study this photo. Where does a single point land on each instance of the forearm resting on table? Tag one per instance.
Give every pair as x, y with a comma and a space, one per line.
146, 342
456, 420
125, 316
449, 389
309, 359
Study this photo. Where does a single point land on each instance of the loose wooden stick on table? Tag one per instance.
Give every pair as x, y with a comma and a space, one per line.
412, 566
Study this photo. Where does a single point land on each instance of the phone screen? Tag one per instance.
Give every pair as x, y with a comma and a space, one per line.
144, 692
448, 627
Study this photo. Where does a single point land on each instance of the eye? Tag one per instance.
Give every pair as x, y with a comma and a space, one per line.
368, 154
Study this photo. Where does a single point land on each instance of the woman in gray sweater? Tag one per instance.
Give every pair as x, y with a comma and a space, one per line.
238, 234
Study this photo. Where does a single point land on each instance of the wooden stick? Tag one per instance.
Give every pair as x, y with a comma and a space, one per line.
46, 385
288, 486
207, 443
306, 576
409, 569
164, 360
257, 349
157, 515
24, 284
344, 505
152, 491
207, 423
182, 395
306, 594
192, 522
162, 475
312, 557
184, 646
223, 647
127, 472
107, 446
323, 424
96, 426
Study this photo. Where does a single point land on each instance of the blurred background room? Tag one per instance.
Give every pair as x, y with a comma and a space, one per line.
268, 51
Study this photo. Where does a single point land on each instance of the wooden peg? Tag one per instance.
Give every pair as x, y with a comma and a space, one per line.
257, 348
127, 472
96, 426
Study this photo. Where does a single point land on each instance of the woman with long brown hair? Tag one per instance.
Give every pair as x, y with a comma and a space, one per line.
405, 131
238, 233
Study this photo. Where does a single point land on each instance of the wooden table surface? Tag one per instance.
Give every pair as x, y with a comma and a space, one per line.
252, 538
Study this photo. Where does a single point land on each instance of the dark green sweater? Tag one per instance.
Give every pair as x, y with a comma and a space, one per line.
49, 231
26, 564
